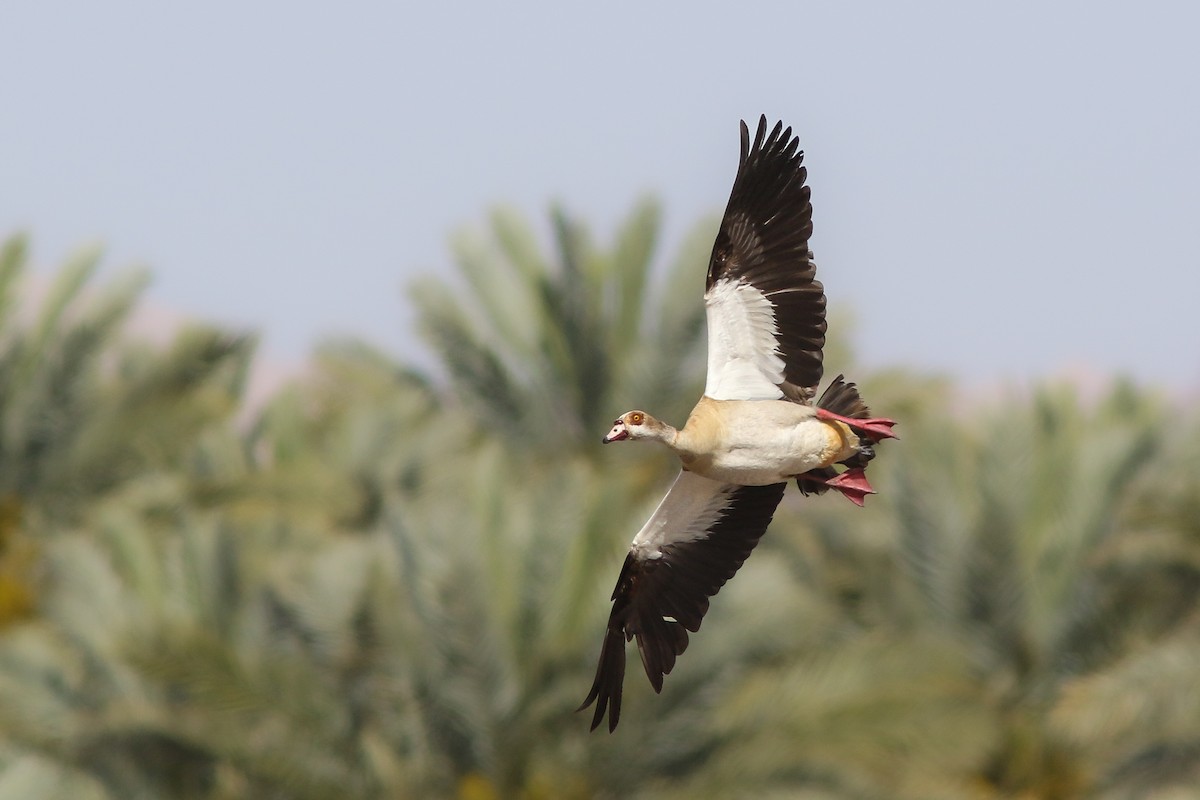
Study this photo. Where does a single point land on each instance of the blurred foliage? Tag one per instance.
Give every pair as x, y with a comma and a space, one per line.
389, 585
544, 348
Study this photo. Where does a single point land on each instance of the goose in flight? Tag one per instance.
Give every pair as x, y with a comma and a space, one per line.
756, 428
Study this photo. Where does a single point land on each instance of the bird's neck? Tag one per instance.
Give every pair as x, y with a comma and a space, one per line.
664, 433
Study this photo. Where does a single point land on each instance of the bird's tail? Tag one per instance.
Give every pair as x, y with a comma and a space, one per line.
842, 398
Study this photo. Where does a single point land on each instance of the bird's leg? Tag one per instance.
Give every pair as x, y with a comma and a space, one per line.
874, 429
852, 483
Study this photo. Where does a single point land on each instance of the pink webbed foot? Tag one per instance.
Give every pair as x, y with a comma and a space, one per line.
852, 484
874, 429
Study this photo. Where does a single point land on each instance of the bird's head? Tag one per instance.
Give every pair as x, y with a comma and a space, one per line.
631, 425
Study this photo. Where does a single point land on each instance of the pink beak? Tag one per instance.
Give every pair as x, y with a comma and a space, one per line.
617, 433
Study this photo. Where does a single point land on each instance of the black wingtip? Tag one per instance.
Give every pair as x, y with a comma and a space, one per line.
761, 133
610, 679
779, 147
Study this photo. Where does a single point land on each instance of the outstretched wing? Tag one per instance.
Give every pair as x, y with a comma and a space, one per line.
694, 542
766, 310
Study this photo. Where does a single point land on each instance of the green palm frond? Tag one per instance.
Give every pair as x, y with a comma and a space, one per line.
384, 584
544, 347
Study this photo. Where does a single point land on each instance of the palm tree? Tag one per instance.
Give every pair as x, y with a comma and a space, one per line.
377, 642
545, 349
84, 417
387, 586
80, 413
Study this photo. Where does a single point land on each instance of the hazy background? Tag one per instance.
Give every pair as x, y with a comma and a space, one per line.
1001, 193
371, 585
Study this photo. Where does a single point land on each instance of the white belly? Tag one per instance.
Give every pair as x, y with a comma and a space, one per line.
759, 442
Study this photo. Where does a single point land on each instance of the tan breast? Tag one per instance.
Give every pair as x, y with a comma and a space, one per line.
702, 433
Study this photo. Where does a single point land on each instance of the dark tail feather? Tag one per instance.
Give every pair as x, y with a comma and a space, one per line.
808, 487
610, 676
842, 398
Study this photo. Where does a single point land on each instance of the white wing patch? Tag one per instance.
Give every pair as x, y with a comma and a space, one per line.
692, 506
743, 356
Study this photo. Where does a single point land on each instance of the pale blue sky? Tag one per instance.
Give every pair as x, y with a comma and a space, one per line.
1001, 192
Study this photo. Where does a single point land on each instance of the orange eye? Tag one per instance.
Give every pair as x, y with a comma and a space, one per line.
636, 419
